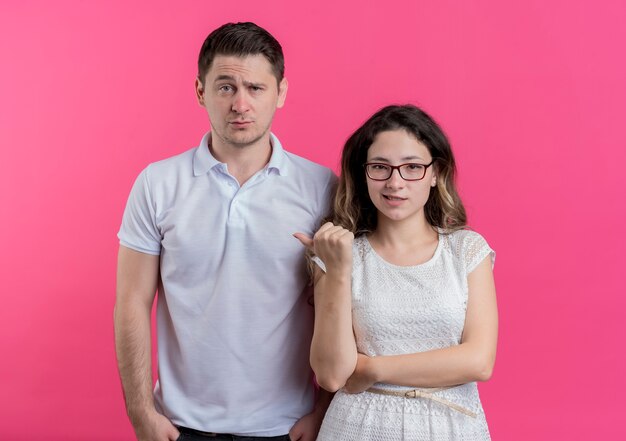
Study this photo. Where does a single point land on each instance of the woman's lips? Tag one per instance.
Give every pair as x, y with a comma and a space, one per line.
393, 200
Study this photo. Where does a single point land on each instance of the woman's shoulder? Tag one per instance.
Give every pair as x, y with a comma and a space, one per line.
463, 236
468, 246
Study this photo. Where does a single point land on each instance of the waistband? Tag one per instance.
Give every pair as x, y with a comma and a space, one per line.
189, 431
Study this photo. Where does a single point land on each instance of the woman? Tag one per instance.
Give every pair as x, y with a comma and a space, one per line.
405, 305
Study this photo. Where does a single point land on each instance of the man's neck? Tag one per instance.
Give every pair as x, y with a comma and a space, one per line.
243, 161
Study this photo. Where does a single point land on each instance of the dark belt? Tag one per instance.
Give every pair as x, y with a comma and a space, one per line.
189, 431
201, 433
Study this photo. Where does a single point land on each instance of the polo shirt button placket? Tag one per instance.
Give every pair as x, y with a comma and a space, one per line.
234, 212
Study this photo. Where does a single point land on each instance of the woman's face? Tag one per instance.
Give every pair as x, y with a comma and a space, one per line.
396, 198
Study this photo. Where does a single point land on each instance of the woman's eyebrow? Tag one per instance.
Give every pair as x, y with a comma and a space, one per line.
406, 158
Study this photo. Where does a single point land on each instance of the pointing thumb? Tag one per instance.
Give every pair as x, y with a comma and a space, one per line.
304, 240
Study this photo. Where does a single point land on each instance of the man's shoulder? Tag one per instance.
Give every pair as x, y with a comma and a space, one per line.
183, 159
172, 166
303, 165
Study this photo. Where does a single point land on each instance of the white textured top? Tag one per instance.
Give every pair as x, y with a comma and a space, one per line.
401, 310
234, 326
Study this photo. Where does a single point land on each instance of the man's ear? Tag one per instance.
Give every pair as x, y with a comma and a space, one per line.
199, 92
282, 92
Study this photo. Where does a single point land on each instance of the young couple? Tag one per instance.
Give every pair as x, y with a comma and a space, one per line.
404, 321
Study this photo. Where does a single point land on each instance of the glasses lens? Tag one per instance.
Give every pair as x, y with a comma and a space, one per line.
412, 171
378, 171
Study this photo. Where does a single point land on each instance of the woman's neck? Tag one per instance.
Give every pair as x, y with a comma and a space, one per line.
403, 234
404, 243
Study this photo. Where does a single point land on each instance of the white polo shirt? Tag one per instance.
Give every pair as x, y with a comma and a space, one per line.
234, 325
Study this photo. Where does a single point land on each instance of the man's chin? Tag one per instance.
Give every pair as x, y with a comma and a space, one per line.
242, 140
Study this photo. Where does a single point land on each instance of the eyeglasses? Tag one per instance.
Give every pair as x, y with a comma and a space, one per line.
412, 171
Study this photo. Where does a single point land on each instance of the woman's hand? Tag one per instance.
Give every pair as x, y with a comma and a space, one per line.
333, 245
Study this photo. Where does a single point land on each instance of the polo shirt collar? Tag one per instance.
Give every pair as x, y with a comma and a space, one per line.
277, 161
203, 160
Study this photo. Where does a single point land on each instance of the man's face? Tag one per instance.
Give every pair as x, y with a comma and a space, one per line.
240, 95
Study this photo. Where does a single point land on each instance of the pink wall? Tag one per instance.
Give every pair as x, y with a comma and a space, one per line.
532, 94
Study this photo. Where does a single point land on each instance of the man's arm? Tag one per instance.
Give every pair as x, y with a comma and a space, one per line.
137, 281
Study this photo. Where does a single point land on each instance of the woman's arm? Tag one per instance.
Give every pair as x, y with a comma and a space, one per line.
333, 349
471, 360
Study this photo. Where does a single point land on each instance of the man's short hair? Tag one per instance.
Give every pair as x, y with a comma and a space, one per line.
241, 39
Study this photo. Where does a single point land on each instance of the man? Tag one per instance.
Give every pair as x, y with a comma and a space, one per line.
211, 230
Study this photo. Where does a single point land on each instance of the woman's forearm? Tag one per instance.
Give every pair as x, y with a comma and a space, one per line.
333, 349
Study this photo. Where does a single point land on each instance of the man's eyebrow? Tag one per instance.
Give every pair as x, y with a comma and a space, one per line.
250, 83
232, 78
224, 77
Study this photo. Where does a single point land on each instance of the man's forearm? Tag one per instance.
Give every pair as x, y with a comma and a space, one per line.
133, 348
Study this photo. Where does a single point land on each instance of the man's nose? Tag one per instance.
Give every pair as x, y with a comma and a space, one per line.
241, 103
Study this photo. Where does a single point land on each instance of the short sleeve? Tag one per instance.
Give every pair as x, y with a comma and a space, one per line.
474, 250
327, 196
139, 230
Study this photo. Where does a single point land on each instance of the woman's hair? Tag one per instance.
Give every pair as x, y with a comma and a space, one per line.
352, 206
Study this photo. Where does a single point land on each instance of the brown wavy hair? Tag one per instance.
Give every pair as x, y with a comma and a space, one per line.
352, 206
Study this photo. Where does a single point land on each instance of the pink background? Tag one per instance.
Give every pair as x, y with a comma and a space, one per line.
532, 95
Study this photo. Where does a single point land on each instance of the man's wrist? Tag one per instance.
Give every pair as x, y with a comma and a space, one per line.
139, 413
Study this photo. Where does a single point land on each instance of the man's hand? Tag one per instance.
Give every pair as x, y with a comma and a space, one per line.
154, 427
307, 427
363, 377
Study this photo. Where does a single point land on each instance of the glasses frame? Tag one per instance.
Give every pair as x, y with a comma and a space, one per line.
397, 167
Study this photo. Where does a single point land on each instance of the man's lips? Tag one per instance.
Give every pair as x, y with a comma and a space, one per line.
239, 123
